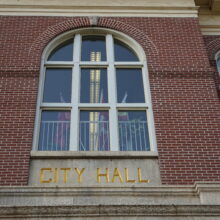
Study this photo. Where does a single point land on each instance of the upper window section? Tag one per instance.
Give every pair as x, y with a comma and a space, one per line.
93, 48
63, 52
123, 52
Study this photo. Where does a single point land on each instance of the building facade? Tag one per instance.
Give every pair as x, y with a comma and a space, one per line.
110, 110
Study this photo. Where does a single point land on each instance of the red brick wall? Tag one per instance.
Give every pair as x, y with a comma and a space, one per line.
212, 44
185, 102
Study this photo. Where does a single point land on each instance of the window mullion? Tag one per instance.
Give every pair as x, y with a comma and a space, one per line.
74, 131
113, 119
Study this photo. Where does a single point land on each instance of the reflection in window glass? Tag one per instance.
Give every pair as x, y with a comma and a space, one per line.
123, 53
93, 48
94, 131
63, 52
130, 86
57, 85
94, 86
133, 131
54, 131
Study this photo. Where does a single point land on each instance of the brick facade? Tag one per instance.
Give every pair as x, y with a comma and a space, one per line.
212, 44
182, 81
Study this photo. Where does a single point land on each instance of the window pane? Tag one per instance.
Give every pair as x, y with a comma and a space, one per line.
54, 131
133, 131
129, 86
93, 48
94, 131
57, 85
123, 52
64, 52
94, 86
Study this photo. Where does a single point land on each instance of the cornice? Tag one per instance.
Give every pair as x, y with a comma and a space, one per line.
112, 210
120, 10
209, 23
27, 202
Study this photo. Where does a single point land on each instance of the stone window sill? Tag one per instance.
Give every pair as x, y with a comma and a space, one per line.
94, 154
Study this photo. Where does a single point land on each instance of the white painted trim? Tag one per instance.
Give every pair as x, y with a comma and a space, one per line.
150, 116
217, 57
128, 65
93, 64
56, 105
113, 117
132, 105
94, 105
74, 131
38, 110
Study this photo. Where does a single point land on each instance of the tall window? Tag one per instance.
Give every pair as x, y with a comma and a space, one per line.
93, 97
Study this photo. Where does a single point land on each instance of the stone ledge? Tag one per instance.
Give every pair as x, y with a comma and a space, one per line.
113, 210
93, 154
30, 202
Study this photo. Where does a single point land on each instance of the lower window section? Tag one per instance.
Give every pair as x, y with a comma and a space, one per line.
133, 131
94, 131
54, 131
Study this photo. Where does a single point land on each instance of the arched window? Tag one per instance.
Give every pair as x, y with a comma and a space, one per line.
94, 95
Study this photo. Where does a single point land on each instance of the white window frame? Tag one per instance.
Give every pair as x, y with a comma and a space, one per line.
217, 57
112, 106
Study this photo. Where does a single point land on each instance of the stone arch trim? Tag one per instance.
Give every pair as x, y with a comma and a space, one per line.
213, 47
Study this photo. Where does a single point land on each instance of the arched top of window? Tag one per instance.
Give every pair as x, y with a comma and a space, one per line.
125, 49
63, 52
123, 52
93, 47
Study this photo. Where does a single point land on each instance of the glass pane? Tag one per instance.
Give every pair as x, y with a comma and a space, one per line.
94, 131
133, 131
123, 52
93, 48
129, 86
57, 85
54, 131
64, 52
94, 86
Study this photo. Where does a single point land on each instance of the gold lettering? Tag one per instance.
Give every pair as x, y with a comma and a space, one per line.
79, 174
102, 174
42, 180
140, 178
117, 174
127, 178
65, 174
55, 175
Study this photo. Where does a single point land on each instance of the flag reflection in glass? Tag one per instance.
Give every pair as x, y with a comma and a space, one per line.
54, 131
